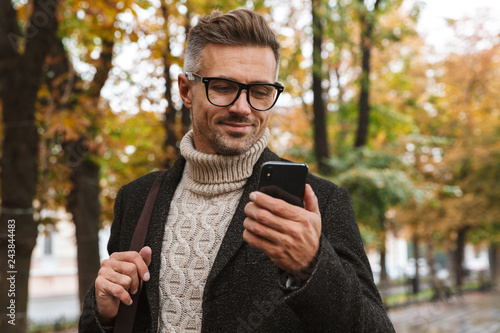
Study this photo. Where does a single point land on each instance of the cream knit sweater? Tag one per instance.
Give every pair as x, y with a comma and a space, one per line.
201, 210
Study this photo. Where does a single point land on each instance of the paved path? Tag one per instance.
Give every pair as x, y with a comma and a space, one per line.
472, 313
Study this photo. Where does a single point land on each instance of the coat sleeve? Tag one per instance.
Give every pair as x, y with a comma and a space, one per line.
340, 295
89, 321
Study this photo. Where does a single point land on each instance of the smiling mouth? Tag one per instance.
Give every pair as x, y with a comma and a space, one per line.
236, 125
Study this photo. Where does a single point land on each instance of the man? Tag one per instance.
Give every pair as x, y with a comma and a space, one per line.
220, 256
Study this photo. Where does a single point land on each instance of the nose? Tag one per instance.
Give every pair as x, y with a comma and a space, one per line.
241, 105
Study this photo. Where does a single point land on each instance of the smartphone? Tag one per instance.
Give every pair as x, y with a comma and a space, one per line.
284, 180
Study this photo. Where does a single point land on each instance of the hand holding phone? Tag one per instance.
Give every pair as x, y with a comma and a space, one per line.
288, 235
284, 180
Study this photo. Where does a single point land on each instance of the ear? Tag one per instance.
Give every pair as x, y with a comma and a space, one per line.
185, 90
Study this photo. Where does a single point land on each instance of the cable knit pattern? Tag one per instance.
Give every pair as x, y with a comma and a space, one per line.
200, 212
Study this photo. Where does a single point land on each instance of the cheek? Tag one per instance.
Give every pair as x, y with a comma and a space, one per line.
202, 114
264, 118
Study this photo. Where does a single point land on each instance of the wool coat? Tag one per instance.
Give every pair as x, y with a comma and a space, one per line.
245, 291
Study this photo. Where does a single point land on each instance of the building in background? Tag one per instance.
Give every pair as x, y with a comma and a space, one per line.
53, 283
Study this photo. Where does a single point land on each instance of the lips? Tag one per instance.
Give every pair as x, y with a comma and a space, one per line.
236, 125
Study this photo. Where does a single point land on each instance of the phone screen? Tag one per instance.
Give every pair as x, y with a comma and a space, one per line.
284, 180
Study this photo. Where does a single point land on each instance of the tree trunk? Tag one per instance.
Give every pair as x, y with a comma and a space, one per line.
364, 104
173, 131
364, 94
341, 114
450, 261
384, 278
19, 83
83, 203
381, 234
319, 110
366, 20
416, 278
431, 260
171, 140
459, 257
494, 260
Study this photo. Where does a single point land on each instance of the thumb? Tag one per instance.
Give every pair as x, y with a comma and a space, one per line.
146, 254
311, 200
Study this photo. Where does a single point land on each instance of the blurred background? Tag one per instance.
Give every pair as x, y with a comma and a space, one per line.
396, 100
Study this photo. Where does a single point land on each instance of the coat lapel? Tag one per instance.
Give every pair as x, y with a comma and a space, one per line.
154, 238
233, 239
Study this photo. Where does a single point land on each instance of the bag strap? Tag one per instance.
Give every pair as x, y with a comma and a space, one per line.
126, 314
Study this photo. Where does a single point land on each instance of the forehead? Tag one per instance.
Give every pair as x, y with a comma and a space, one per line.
239, 62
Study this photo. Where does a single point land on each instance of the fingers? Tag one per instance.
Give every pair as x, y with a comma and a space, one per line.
288, 234
268, 202
146, 256
109, 295
266, 217
311, 200
262, 202
121, 273
266, 209
121, 260
119, 277
260, 243
264, 232
290, 251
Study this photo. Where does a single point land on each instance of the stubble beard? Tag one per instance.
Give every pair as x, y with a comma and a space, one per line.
232, 143
240, 143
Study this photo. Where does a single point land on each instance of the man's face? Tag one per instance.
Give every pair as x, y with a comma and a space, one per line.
232, 129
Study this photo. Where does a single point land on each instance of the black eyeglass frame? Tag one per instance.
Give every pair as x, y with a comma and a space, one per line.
206, 80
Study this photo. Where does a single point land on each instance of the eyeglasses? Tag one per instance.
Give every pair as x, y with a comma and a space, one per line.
224, 92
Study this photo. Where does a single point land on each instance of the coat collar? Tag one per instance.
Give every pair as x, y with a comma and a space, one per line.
233, 239
231, 242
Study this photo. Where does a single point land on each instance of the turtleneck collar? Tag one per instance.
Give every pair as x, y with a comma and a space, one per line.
213, 174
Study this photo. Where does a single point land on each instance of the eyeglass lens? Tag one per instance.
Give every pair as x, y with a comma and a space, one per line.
223, 92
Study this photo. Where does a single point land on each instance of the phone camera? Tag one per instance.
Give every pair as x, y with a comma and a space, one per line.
268, 174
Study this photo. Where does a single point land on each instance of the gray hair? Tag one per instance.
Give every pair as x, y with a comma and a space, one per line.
237, 27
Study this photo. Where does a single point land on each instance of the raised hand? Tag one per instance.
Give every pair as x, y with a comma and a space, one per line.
118, 278
288, 234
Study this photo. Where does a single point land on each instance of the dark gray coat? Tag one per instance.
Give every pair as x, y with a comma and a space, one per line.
245, 291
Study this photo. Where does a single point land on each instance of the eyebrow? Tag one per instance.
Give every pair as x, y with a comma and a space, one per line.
230, 78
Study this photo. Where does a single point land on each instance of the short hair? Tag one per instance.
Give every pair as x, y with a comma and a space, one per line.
237, 27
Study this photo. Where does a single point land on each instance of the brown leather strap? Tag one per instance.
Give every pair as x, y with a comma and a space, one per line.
126, 314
